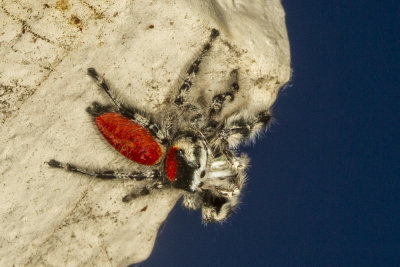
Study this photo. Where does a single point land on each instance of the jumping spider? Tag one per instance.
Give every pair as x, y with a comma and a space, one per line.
194, 152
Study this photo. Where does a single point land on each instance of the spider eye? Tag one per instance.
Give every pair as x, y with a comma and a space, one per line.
179, 152
180, 155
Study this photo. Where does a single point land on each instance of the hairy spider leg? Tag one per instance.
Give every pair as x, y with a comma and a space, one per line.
97, 109
101, 82
218, 103
140, 117
232, 132
106, 174
228, 96
194, 69
145, 191
237, 131
213, 124
110, 174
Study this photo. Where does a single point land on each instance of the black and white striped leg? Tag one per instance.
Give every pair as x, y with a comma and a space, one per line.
144, 191
101, 82
219, 100
193, 70
96, 109
136, 115
106, 174
214, 125
236, 131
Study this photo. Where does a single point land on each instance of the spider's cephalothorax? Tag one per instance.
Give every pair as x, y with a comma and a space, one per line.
195, 153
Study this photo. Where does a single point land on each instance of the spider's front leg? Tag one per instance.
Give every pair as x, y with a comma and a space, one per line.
236, 131
193, 70
228, 96
213, 124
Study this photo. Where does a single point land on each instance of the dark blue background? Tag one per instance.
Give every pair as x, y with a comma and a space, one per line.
324, 184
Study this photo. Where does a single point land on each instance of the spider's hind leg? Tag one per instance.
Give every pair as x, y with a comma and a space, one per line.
101, 82
96, 109
106, 174
139, 116
156, 181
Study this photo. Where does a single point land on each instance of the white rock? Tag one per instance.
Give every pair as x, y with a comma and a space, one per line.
52, 217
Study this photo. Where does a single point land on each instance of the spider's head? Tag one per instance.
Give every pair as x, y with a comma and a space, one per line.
186, 161
219, 194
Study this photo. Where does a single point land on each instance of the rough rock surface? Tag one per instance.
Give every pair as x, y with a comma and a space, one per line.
49, 217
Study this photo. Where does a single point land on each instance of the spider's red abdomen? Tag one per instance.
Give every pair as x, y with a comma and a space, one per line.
129, 138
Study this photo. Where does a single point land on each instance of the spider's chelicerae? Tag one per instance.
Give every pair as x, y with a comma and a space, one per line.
193, 152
